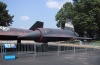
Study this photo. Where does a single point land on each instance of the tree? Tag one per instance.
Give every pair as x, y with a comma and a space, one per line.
5, 18
85, 15
63, 13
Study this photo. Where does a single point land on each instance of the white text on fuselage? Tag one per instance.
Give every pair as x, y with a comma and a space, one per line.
4, 28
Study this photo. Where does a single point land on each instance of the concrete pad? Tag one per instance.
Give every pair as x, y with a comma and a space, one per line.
80, 58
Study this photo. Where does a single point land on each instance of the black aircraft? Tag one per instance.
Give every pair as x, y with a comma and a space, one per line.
51, 35
38, 34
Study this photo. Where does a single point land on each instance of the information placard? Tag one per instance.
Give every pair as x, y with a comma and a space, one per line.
10, 45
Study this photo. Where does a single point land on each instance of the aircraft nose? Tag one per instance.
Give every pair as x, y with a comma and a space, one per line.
35, 35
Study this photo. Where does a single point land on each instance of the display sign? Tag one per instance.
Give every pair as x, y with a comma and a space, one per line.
10, 45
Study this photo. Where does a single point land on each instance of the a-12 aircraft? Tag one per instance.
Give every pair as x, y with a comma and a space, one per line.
38, 34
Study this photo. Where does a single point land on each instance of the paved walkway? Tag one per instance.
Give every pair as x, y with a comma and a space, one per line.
79, 58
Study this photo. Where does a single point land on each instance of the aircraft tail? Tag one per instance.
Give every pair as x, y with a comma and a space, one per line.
69, 25
38, 24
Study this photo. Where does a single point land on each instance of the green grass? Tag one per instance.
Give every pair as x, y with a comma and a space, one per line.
96, 43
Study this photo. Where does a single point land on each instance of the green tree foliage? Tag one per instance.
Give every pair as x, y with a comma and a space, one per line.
85, 15
63, 13
5, 18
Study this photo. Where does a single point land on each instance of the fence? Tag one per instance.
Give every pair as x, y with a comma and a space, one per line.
21, 49
56, 48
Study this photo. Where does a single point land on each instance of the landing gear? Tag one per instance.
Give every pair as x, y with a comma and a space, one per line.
18, 41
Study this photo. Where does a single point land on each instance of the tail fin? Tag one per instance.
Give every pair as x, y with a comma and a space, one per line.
69, 25
38, 24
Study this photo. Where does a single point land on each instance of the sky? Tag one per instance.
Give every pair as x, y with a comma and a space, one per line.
27, 12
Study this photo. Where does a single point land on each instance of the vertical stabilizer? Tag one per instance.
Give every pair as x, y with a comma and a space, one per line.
69, 25
38, 24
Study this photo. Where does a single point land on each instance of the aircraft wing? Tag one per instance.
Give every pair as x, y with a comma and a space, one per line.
66, 37
8, 37
84, 38
56, 35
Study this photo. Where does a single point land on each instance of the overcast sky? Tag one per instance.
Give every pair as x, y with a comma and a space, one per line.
27, 12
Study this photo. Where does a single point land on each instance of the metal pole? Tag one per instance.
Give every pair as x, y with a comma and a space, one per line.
86, 47
67, 48
19, 50
27, 47
32, 48
22, 48
35, 49
74, 48
58, 48
94, 46
1, 49
64, 48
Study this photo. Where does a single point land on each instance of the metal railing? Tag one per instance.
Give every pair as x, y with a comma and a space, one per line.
56, 48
